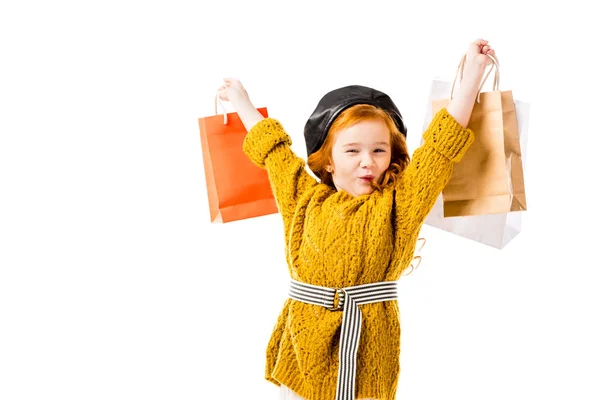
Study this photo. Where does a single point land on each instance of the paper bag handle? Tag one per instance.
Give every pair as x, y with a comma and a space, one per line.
416, 258
424, 241
461, 68
218, 99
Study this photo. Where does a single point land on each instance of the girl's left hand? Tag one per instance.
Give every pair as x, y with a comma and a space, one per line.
478, 51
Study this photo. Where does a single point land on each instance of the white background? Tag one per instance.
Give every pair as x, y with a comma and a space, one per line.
115, 285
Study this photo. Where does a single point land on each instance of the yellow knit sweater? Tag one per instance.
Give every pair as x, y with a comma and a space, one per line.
337, 240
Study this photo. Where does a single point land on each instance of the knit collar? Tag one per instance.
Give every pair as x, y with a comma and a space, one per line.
345, 196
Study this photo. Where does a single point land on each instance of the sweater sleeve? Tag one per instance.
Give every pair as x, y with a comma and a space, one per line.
445, 143
268, 146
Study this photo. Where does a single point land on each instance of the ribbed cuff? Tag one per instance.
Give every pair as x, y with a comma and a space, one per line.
262, 138
448, 137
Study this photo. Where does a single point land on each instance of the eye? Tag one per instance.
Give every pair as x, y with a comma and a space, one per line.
350, 151
382, 150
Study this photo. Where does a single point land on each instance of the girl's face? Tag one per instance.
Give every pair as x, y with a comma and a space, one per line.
360, 152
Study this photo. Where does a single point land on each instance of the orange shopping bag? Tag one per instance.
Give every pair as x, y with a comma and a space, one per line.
237, 188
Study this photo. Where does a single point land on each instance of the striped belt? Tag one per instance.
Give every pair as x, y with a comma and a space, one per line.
348, 300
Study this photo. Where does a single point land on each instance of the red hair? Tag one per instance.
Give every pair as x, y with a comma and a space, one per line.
400, 158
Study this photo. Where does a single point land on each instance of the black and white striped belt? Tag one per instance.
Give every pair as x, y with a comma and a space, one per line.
348, 299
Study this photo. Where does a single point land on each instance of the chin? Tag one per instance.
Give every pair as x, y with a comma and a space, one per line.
363, 191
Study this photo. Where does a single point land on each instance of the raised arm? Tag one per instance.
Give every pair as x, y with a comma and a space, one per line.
461, 105
268, 146
445, 142
234, 92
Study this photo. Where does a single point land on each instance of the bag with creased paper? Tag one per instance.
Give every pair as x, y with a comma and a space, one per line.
485, 196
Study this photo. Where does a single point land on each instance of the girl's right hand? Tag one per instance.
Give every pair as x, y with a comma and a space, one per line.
231, 88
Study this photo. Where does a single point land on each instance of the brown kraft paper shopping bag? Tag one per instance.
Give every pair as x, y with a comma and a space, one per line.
489, 178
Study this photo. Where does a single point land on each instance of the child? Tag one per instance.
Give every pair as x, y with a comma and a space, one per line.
350, 236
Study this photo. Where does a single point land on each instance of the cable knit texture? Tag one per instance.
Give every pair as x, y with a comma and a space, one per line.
337, 240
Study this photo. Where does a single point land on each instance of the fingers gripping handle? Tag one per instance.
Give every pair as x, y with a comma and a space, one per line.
460, 72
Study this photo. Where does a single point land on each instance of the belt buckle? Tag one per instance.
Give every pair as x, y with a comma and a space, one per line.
337, 296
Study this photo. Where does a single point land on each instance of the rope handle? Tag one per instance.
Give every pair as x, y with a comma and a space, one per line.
218, 100
461, 69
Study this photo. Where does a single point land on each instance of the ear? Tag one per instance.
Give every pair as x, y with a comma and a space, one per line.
329, 166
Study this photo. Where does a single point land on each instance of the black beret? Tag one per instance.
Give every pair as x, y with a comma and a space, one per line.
336, 101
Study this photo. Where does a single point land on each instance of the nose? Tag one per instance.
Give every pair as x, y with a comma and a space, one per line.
367, 160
